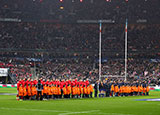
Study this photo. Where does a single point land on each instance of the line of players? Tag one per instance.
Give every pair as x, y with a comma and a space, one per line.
30, 89
121, 88
27, 89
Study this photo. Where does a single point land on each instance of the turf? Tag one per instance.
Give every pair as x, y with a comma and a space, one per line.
8, 90
95, 106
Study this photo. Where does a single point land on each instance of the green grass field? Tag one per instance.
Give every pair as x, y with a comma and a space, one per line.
8, 90
96, 106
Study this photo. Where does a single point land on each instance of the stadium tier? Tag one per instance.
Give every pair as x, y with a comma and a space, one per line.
73, 10
68, 37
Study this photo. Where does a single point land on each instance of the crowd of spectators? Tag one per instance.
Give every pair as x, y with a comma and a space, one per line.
78, 45
143, 69
39, 45
70, 10
78, 37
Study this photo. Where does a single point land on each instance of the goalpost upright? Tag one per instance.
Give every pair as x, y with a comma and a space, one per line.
100, 49
126, 45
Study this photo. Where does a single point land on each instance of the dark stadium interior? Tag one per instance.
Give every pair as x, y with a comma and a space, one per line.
51, 36
72, 10
79, 57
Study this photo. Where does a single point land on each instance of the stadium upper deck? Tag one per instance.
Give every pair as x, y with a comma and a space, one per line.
73, 10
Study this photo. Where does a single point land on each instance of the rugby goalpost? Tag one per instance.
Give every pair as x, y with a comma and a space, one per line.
100, 49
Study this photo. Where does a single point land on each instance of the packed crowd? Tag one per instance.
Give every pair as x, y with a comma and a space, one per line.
75, 10
143, 69
77, 37
71, 50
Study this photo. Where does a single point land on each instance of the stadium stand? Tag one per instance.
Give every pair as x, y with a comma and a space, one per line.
52, 41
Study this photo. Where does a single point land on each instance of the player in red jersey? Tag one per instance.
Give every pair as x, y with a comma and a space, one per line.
18, 84
87, 82
35, 82
23, 82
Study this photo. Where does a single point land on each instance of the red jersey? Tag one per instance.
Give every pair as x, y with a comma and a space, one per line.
35, 82
47, 82
87, 82
73, 84
66, 83
58, 83
23, 83
18, 85
43, 83
69, 82
26, 83
81, 83
62, 83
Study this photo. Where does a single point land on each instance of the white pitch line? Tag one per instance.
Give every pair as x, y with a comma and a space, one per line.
23, 109
69, 113
111, 114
